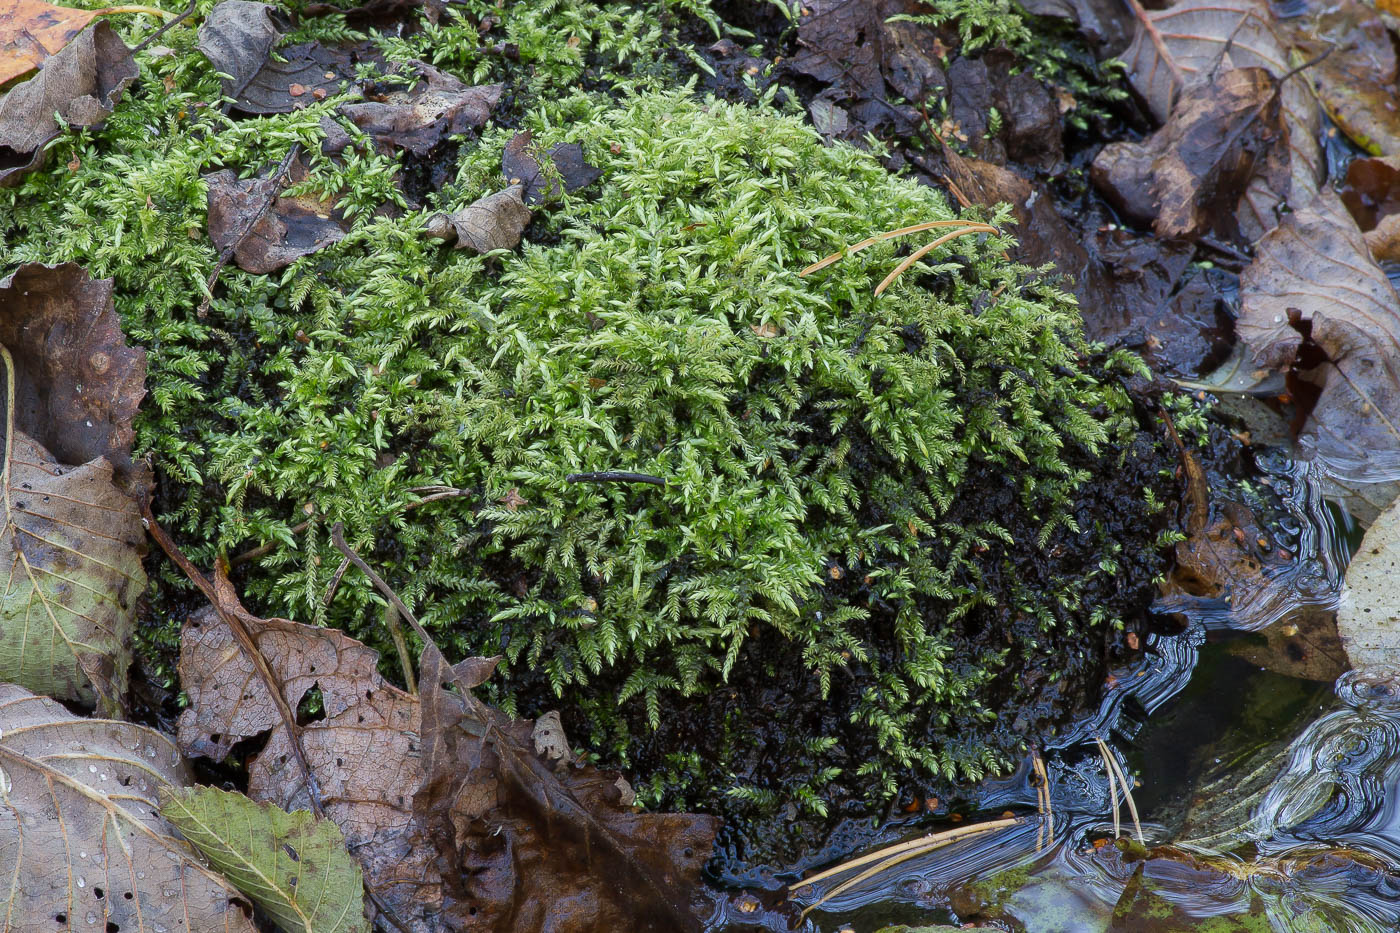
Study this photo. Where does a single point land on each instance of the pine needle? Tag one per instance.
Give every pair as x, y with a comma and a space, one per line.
881, 237
1112, 784
923, 251
1127, 792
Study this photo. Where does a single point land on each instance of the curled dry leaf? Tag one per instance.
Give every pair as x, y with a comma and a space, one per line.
81, 841
465, 834
72, 539
1314, 275
418, 119
564, 162
281, 233
80, 86
294, 866
1197, 41
1189, 177
496, 221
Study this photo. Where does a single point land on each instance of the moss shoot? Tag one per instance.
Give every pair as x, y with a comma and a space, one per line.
867, 500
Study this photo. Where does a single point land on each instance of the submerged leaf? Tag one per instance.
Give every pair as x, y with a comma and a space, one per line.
72, 539
293, 865
82, 845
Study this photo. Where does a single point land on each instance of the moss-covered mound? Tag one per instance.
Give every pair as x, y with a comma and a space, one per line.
882, 510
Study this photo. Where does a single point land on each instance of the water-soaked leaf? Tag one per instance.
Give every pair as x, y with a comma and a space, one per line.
1368, 617
1355, 82
530, 842
1315, 274
72, 539
496, 221
563, 163
291, 227
465, 830
237, 37
79, 85
294, 866
82, 844
31, 31
417, 119
1197, 41
1304, 644
1106, 24
1188, 178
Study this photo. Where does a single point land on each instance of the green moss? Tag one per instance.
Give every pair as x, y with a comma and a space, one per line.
817, 443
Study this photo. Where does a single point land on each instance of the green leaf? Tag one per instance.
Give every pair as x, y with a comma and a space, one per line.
293, 865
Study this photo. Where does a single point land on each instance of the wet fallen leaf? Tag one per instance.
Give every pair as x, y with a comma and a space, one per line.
31, 31
1314, 274
1106, 24
83, 845
1368, 616
496, 221
531, 844
564, 164
291, 227
1188, 178
418, 119
1355, 82
72, 540
79, 86
294, 866
1305, 644
1197, 41
546, 845
1371, 194
238, 37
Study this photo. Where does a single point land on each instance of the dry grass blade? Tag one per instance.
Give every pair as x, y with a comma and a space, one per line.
893, 855
1112, 785
1127, 792
881, 237
923, 251
1042, 792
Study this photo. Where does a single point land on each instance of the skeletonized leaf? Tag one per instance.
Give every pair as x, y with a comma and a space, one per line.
293, 865
71, 537
82, 845
1194, 41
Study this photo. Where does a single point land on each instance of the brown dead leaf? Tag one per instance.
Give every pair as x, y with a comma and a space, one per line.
1197, 42
71, 541
523, 847
79, 85
1314, 274
237, 37
82, 840
1189, 177
496, 221
455, 831
280, 234
1371, 194
565, 163
418, 119
31, 31
1304, 644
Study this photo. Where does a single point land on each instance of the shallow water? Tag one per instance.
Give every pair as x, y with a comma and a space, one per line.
1268, 800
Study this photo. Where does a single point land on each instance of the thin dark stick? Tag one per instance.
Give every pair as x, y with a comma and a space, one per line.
335, 581
274, 183
612, 477
165, 27
338, 539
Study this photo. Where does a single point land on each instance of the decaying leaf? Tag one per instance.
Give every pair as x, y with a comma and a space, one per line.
496, 221
523, 846
1198, 41
31, 31
72, 540
1188, 178
1372, 197
82, 845
1314, 274
281, 233
238, 37
79, 85
564, 163
294, 866
535, 844
1368, 616
1304, 644
418, 119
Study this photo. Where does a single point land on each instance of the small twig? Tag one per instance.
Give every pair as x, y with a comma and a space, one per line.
180, 17
263, 550
274, 188
614, 477
335, 581
391, 621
